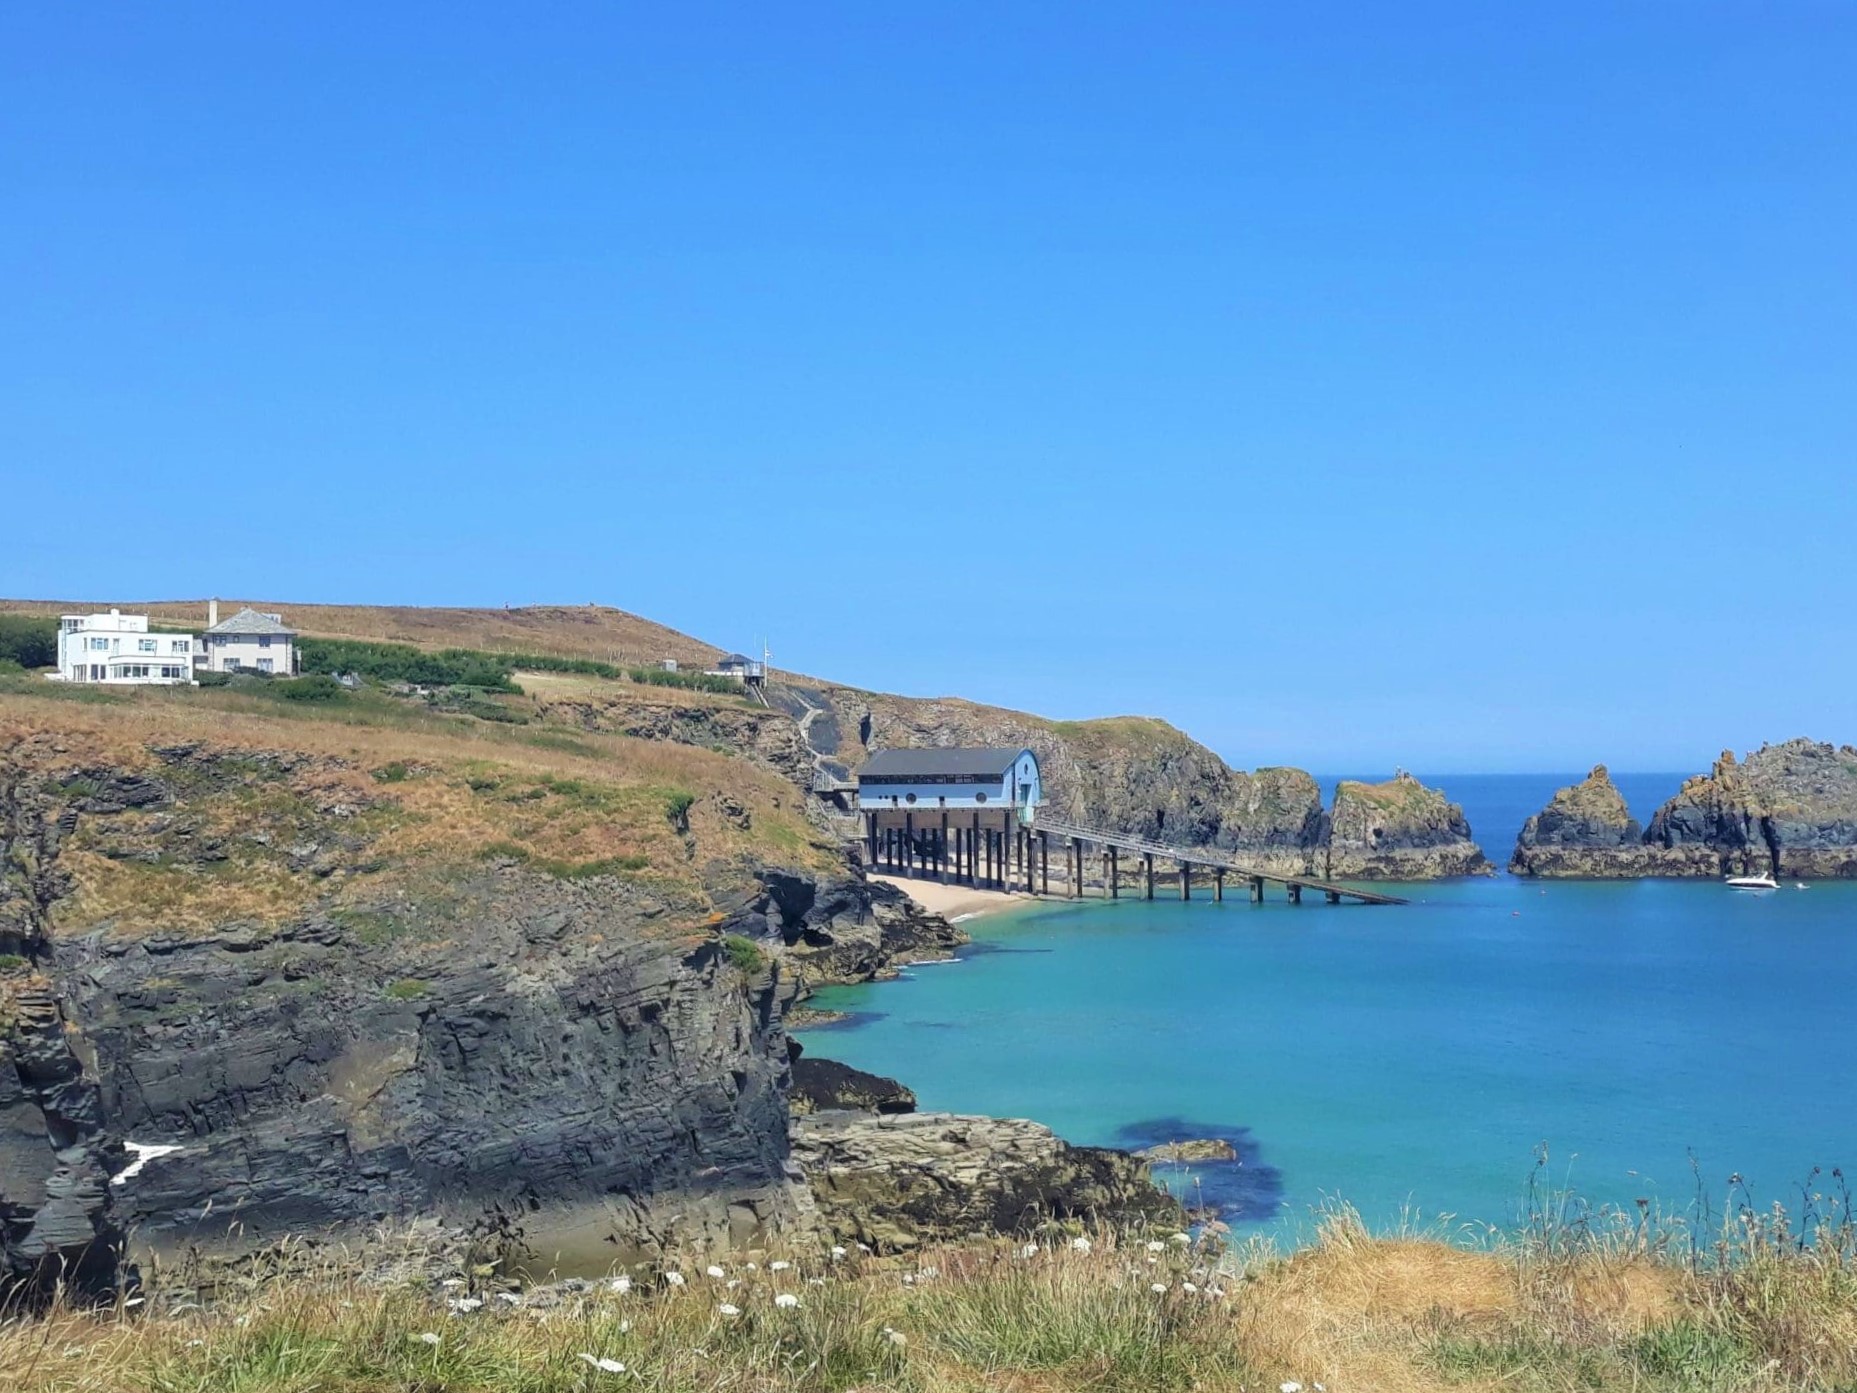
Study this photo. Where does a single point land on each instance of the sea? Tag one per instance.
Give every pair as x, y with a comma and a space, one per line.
1496, 1048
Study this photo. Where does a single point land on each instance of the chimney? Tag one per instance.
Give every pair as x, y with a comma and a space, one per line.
212, 613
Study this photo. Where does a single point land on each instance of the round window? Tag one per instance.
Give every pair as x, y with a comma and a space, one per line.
909, 798
980, 798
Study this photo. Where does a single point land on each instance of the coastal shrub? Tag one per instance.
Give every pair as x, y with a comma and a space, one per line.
316, 686
11, 962
745, 953
9, 668
394, 773
406, 989
29, 640
677, 807
401, 662
214, 679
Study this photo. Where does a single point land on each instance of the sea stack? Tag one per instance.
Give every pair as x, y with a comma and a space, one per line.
1399, 830
1787, 810
1584, 832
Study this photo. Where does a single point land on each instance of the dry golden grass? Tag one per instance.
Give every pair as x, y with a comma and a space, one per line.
421, 789
575, 631
1349, 1313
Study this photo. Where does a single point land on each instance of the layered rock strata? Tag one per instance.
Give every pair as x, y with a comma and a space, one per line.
899, 1182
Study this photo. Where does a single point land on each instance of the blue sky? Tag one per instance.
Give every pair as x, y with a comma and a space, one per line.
1445, 385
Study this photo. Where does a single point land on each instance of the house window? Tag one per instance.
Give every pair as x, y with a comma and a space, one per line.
96, 672
180, 645
146, 645
99, 645
172, 672
264, 640
264, 664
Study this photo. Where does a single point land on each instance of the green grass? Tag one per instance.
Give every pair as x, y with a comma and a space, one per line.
745, 953
407, 989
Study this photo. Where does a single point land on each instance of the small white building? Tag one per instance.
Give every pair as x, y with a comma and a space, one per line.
119, 648
960, 813
738, 667
924, 779
250, 640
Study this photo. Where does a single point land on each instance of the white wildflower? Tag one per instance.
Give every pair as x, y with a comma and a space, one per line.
1291, 1387
1158, 1288
732, 1283
837, 1252
625, 1327
428, 1338
712, 1271
726, 1309
778, 1266
1030, 1250
1181, 1239
1081, 1245
786, 1300
621, 1285
1189, 1288
1156, 1246
909, 1279
863, 1247
195, 1344
464, 1305
605, 1366
510, 1297
896, 1337
452, 1283
674, 1278
752, 1266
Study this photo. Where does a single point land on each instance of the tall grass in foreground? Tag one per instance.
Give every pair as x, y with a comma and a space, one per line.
1766, 1303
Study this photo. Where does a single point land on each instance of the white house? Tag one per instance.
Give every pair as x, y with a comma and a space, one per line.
260, 642
118, 647
738, 667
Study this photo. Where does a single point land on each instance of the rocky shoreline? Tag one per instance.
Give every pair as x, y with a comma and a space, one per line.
1787, 810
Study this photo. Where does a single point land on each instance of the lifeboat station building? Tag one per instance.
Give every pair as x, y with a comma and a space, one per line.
960, 815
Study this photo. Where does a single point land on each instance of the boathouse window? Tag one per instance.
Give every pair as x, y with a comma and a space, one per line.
980, 797
909, 798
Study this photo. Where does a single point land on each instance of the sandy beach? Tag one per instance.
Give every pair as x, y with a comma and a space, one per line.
955, 902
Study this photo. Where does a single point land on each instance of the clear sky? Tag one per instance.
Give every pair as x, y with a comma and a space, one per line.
1464, 386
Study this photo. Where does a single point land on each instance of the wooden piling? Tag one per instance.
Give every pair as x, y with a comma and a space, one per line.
1147, 872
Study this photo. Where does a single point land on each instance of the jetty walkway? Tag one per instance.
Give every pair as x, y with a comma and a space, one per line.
1112, 845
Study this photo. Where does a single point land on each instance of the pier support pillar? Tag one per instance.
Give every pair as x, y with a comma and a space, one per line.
1218, 886
1186, 882
1115, 875
1044, 863
1076, 856
1257, 889
1295, 893
941, 848
1031, 887
1334, 896
870, 835
909, 843
973, 846
1147, 872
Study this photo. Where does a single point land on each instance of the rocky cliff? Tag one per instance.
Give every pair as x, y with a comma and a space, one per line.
1787, 810
260, 980
1399, 830
1128, 774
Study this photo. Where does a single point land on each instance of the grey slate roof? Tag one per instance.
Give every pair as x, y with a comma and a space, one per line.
249, 621
899, 766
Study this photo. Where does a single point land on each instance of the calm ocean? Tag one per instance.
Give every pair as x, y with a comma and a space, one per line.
1409, 1059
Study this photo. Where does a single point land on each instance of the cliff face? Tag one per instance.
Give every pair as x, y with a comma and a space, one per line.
1787, 810
1127, 774
1399, 830
257, 989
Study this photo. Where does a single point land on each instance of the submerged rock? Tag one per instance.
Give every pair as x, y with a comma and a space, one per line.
899, 1182
1198, 1149
1399, 830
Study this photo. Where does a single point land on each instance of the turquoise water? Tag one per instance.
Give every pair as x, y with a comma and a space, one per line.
1407, 1058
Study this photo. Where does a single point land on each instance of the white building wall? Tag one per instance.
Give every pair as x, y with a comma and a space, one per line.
273, 653
118, 648
1023, 775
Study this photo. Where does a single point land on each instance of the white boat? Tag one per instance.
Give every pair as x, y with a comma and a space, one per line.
1752, 882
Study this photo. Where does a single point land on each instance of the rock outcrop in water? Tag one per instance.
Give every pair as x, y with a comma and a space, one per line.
1787, 810
1399, 830
899, 1182
1585, 831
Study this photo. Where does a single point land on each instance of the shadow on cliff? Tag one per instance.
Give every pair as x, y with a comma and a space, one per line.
1243, 1190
